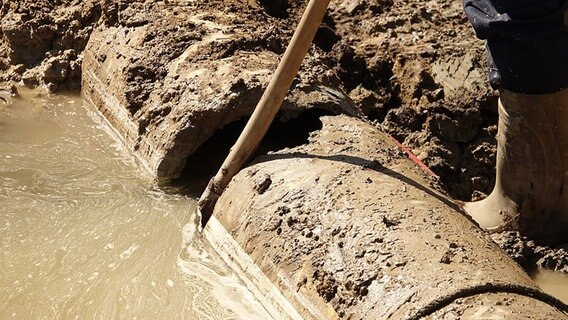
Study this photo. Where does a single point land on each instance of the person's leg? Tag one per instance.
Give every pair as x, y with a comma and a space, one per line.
531, 185
527, 44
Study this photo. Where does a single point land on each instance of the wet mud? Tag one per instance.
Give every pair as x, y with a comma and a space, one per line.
347, 226
422, 76
415, 67
532, 255
159, 70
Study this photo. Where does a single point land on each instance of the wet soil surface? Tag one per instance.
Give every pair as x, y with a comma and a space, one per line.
531, 255
366, 232
413, 67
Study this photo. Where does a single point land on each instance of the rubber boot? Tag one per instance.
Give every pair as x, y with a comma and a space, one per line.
532, 168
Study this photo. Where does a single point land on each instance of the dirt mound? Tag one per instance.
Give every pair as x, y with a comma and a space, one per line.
42, 41
168, 78
415, 67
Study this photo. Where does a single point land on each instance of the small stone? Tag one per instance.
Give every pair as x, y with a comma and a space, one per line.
291, 221
263, 184
446, 258
438, 94
352, 6
389, 223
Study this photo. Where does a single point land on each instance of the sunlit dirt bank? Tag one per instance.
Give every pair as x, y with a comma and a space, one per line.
343, 225
415, 67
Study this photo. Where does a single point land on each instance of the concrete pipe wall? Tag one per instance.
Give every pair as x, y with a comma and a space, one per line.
347, 227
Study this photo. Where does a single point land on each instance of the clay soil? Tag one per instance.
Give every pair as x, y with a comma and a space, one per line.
413, 67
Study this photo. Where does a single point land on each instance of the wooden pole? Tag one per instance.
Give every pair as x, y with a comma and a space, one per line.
266, 108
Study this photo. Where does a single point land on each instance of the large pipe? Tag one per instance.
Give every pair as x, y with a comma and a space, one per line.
347, 227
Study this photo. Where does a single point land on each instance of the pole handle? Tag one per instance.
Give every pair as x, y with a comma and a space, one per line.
267, 107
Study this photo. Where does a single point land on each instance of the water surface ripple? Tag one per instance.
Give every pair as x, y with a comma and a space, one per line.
85, 234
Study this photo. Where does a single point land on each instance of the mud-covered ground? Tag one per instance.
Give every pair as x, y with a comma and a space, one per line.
420, 71
414, 67
42, 41
531, 255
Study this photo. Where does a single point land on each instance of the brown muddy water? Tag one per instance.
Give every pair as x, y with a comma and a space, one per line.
554, 283
86, 234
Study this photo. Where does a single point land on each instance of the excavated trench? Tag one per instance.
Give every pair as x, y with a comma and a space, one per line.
336, 215
413, 66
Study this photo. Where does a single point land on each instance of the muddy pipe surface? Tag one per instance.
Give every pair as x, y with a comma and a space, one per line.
168, 84
347, 227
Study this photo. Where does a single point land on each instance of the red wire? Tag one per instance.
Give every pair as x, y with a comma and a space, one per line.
413, 157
